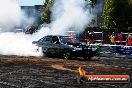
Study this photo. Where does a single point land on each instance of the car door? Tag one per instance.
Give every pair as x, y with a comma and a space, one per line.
46, 44
55, 44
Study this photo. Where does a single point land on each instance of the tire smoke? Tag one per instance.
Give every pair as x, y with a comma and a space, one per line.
66, 15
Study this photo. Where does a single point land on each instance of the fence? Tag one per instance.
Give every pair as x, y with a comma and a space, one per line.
98, 35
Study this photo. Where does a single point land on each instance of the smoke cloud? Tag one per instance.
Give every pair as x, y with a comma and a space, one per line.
12, 43
17, 44
99, 6
66, 15
70, 14
10, 14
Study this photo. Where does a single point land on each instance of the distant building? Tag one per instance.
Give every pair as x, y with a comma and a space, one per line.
32, 8
33, 11
30, 2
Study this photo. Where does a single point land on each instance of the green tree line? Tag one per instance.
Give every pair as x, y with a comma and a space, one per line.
117, 14
46, 12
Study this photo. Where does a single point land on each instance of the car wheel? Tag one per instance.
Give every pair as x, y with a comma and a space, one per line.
87, 57
66, 55
45, 53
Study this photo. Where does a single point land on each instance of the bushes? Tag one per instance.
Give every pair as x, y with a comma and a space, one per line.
117, 14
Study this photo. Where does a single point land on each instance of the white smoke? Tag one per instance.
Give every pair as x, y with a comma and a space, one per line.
10, 14
70, 14
12, 43
17, 44
99, 6
66, 14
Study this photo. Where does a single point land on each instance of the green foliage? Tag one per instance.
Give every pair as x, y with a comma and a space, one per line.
116, 14
130, 12
109, 6
46, 13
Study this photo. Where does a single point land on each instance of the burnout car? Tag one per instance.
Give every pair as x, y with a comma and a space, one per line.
64, 46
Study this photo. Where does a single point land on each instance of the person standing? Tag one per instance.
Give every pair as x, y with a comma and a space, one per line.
71, 37
119, 38
92, 37
129, 40
87, 39
112, 38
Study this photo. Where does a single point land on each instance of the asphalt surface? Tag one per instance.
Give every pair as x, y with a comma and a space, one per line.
43, 72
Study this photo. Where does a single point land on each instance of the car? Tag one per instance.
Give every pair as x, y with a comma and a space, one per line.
64, 46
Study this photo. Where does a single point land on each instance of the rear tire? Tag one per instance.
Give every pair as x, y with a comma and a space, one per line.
45, 53
87, 58
66, 55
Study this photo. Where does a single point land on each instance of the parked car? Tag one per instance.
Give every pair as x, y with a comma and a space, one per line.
64, 46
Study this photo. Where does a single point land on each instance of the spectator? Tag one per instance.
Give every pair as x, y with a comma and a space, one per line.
119, 38
112, 38
87, 39
128, 40
71, 37
91, 35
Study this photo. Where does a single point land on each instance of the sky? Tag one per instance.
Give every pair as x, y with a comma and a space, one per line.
30, 2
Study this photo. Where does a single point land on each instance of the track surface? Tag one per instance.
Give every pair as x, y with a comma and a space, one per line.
35, 72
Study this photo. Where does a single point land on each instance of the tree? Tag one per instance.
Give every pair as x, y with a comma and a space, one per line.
116, 14
109, 5
46, 13
130, 14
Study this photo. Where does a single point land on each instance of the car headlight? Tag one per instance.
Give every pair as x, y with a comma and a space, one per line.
94, 49
75, 49
71, 45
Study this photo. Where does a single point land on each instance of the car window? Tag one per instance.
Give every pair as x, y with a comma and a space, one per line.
41, 40
48, 38
55, 39
45, 39
68, 39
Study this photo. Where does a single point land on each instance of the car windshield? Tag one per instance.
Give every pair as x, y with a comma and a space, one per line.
68, 39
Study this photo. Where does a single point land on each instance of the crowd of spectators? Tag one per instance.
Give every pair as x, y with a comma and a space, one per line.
112, 38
